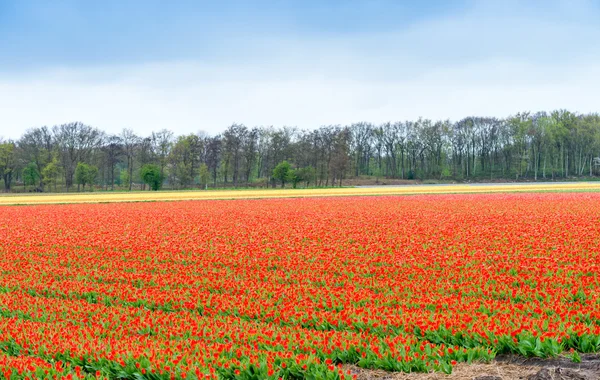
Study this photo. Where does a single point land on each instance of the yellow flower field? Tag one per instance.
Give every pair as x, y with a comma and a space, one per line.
288, 193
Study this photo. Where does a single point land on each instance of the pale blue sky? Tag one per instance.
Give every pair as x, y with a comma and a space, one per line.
38, 33
200, 65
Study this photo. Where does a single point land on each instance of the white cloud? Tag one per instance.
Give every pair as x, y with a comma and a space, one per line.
483, 62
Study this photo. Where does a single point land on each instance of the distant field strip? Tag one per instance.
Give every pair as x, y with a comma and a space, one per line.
287, 193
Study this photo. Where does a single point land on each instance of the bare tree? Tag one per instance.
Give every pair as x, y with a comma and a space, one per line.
113, 149
213, 156
233, 138
76, 142
36, 146
340, 161
362, 135
249, 143
129, 140
162, 142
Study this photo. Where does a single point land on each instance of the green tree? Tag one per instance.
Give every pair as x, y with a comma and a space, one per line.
50, 173
294, 178
305, 175
283, 172
182, 172
204, 175
124, 177
80, 174
151, 174
85, 174
185, 158
92, 175
30, 174
7, 163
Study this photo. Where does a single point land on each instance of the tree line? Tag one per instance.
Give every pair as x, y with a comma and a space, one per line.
67, 157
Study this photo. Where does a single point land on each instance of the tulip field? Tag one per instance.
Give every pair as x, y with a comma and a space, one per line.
295, 288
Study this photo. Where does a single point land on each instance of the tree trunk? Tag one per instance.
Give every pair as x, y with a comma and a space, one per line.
131, 174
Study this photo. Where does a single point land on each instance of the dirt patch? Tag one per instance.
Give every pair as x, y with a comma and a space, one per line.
461, 371
372, 181
503, 368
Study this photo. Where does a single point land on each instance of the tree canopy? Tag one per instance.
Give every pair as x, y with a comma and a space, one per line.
150, 174
85, 174
543, 145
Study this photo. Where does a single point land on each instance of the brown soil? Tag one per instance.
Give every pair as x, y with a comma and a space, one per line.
372, 181
503, 368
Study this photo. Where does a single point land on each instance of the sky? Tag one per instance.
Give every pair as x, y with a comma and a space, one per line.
197, 65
